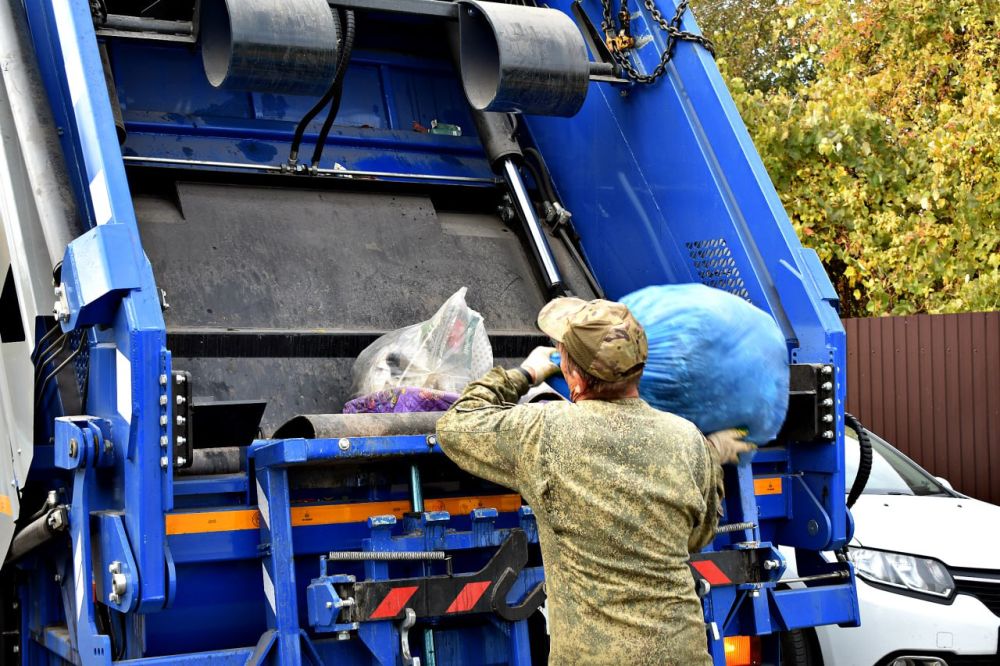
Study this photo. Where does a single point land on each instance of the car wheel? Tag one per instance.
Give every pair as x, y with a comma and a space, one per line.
800, 648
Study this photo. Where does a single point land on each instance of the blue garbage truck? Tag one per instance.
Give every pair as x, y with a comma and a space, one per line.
209, 208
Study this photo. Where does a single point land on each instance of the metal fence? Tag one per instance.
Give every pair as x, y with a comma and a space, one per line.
930, 385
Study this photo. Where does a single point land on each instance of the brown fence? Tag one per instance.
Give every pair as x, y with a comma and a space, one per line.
930, 385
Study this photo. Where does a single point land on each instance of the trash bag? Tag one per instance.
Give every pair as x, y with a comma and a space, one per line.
444, 353
404, 399
714, 359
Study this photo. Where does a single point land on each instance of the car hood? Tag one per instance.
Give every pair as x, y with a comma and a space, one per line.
960, 532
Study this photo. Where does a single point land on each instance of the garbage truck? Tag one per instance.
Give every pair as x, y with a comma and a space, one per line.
210, 208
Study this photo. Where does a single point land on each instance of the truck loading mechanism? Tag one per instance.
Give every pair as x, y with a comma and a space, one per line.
179, 283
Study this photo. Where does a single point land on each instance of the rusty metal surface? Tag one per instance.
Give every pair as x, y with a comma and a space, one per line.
930, 385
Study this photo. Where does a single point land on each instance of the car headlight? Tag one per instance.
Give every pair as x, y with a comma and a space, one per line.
917, 574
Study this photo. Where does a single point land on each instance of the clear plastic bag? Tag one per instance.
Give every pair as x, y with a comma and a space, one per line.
444, 353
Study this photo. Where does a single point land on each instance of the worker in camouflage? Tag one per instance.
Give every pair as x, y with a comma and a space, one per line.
622, 492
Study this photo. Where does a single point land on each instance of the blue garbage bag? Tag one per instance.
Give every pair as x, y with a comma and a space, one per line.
714, 359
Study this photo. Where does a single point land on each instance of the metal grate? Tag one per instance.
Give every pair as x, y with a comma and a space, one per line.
716, 267
81, 365
985, 587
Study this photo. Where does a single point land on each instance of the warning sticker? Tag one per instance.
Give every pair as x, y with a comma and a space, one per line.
767, 486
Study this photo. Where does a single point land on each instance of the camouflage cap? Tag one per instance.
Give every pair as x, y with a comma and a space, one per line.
601, 336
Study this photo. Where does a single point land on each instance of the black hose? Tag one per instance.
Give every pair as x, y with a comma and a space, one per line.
545, 184
300, 129
48, 377
338, 85
537, 177
864, 460
38, 347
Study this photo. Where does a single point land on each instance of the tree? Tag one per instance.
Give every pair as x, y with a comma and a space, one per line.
879, 123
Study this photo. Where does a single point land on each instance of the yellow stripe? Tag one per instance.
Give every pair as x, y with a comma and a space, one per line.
329, 514
768, 486
5, 506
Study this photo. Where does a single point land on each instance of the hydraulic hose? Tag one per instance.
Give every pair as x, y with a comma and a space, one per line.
300, 129
864, 460
338, 86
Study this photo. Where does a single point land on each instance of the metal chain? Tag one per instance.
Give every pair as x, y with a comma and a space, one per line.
619, 39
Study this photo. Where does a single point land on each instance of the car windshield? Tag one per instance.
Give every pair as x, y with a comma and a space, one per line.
892, 472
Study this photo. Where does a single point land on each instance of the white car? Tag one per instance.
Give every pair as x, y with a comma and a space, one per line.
928, 568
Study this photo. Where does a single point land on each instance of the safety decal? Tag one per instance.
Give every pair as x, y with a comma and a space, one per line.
393, 602
767, 486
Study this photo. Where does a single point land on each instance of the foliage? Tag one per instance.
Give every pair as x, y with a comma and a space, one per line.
879, 123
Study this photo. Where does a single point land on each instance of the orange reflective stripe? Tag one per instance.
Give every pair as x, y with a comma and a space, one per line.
768, 486
212, 521
5, 506
197, 522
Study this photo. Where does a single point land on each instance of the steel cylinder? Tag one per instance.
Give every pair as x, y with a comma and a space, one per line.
277, 46
521, 59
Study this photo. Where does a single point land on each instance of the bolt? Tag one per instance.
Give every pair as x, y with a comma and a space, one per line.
828, 418
73, 447
113, 598
343, 635
432, 440
55, 520
827, 370
827, 402
119, 583
771, 564
827, 386
108, 445
163, 420
164, 462
181, 441
827, 434
344, 444
181, 379
57, 578
15, 649
623, 93
163, 440
115, 567
163, 380
755, 593
181, 420
181, 400
181, 461
812, 527
163, 401
329, 604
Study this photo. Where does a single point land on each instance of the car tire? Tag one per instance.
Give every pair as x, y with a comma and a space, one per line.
800, 648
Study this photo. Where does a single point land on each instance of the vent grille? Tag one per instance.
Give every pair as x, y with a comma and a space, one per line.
981, 586
714, 263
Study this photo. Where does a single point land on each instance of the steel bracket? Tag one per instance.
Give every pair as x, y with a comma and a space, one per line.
98, 269
82, 441
117, 576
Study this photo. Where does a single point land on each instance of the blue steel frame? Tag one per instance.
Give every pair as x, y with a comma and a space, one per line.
653, 176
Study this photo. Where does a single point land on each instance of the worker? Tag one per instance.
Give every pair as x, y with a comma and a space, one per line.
622, 492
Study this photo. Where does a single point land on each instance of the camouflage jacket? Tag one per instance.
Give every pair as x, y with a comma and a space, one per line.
622, 493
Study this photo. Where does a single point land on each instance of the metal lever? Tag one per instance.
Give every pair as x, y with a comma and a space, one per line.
409, 619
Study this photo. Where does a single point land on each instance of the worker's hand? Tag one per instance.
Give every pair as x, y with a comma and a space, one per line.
539, 364
729, 444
